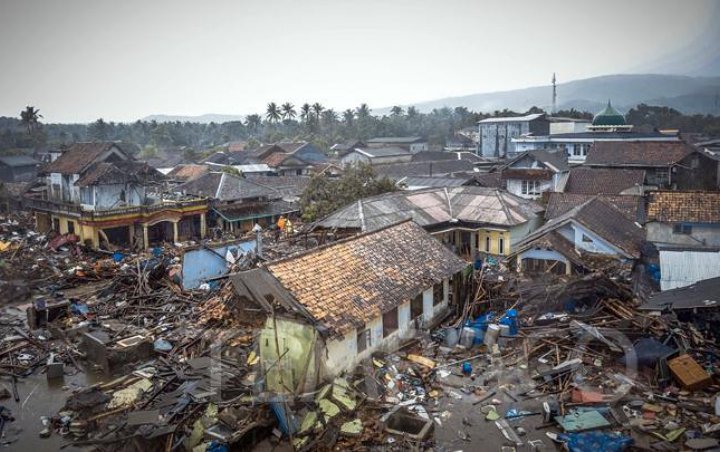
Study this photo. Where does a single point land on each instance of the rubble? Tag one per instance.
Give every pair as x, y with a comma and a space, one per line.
179, 369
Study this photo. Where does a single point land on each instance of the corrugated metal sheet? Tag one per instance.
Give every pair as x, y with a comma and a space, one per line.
683, 268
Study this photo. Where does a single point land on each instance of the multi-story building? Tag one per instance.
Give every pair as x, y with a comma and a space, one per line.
100, 193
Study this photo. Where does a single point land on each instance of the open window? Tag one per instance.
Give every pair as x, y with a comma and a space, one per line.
416, 306
438, 293
390, 322
363, 339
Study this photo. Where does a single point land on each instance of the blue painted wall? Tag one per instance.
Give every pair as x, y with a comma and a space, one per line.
201, 264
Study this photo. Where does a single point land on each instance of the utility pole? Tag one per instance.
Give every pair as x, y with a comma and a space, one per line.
554, 95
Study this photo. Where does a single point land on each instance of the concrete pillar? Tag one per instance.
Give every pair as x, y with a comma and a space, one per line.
175, 232
203, 226
146, 242
473, 244
131, 235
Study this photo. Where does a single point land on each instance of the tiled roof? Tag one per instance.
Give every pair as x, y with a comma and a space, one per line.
553, 161
187, 172
226, 187
600, 218
435, 206
640, 153
394, 140
118, 173
603, 180
690, 207
290, 186
349, 283
632, 206
78, 157
238, 212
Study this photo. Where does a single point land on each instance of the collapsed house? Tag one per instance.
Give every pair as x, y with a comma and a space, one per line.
329, 308
572, 242
467, 218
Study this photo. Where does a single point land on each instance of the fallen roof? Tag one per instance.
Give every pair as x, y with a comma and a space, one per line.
348, 283
632, 206
433, 207
640, 153
603, 220
702, 294
78, 157
678, 206
603, 180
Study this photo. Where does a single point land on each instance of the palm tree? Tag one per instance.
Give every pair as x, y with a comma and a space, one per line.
397, 111
253, 122
329, 117
348, 116
288, 111
317, 108
30, 117
305, 112
363, 111
273, 112
412, 112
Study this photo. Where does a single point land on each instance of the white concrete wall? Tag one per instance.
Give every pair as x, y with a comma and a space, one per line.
703, 234
342, 353
354, 157
514, 186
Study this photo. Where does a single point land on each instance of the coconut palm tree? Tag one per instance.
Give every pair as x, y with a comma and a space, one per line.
253, 122
273, 112
288, 111
348, 116
30, 118
317, 108
305, 112
397, 111
412, 112
363, 111
329, 117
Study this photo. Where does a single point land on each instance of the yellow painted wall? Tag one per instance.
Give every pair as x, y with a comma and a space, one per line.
495, 237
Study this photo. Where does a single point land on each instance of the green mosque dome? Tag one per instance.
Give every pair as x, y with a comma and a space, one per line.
609, 117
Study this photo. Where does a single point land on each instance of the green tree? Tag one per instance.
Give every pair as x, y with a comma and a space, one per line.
348, 117
324, 195
253, 122
397, 111
30, 118
273, 113
317, 109
288, 111
99, 130
305, 112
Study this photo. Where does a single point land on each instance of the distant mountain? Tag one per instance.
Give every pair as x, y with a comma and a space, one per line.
204, 119
687, 94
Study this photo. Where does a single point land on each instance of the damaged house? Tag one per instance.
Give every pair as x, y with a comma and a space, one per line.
239, 203
532, 173
331, 307
587, 237
466, 218
100, 193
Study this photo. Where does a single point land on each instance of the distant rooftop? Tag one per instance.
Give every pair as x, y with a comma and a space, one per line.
513, 118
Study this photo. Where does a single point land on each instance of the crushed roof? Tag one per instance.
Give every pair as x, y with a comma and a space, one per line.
642, 153
632, 206
603, 180
602, 219
78, 157
677, 206
435, 206
347, 284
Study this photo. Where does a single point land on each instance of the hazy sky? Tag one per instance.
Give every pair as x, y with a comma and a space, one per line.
78, 60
